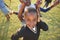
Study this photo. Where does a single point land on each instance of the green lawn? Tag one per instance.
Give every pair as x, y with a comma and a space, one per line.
52, 18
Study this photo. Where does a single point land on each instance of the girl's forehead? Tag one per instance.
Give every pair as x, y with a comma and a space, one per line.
31, 14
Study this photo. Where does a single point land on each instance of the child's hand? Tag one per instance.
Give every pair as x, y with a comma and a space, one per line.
10, 12
57, 1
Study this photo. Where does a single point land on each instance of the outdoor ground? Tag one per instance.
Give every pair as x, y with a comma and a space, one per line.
52, 18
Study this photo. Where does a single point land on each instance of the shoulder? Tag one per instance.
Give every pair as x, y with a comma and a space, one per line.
21, 29
42, 25
39, 23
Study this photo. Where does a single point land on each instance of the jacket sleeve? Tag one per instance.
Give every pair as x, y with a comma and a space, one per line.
17, 35
42, 25
45, 10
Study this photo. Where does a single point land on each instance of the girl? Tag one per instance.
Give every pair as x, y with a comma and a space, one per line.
32, 29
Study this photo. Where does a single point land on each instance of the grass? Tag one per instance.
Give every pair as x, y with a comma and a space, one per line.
52, 18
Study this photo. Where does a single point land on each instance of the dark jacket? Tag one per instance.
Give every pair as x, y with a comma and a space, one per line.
27, 34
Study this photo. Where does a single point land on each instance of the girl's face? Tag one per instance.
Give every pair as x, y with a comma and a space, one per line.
28, 2
31, 19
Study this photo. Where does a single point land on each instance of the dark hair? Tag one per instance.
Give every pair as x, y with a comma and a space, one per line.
31, 10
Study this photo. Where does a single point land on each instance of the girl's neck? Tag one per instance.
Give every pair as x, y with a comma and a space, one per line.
30, 27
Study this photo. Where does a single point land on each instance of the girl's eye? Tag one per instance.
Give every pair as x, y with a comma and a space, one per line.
28, 20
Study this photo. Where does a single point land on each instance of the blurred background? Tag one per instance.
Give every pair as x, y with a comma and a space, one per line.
52, 18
